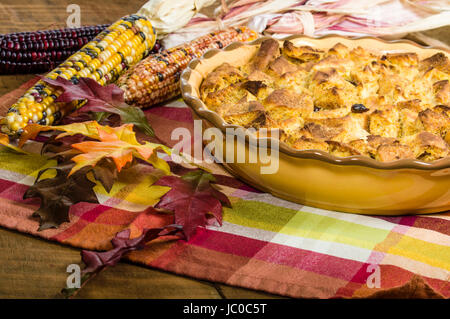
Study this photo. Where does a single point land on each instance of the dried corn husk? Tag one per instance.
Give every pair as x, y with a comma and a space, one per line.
383, 18
170, 15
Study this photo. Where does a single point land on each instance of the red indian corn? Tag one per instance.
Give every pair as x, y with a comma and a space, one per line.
103, 59
41, 51
156, 78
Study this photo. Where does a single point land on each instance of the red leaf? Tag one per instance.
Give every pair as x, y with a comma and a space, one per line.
100, 99
97, 96
191, 198
122, 245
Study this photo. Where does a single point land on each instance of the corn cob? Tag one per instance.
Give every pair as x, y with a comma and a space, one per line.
41, 51
49, 39
103, 59
156, 78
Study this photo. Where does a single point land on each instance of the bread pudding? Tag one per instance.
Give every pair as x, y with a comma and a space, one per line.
342, 101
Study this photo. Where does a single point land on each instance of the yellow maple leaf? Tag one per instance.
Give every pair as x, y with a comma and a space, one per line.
121, 145
89, 129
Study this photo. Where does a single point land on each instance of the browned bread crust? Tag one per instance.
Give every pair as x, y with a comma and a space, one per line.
346, 102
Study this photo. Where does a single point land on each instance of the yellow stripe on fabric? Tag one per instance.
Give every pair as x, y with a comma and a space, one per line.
429, 253
258, 215
25, 164
334, 230
302, 224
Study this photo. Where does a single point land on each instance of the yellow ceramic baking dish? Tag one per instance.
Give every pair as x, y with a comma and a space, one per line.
355, 184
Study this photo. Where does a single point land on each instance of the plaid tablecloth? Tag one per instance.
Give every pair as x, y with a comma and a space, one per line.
265, 243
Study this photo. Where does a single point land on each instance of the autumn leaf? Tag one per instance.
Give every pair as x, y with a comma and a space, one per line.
105, 172
101, 99
88, 129
121, 146
122, 244
86, 89
62, 146
4, 140
59, 193
191, 198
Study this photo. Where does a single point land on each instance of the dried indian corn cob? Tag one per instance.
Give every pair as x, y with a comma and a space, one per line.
44, 55
103, 59
40, 51
156, 78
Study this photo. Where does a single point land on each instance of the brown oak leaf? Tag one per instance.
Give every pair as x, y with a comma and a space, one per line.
416, 288
59, 193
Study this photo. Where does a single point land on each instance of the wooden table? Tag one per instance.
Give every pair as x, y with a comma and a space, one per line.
34, 268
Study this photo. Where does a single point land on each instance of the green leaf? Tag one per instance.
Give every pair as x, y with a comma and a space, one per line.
134, 115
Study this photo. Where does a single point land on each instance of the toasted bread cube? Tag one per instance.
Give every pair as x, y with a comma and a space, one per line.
366, 80
268, 51
290, 126
341, 149
261, 76
335, 129
301, 53
281, 65
286, 109
361, 56
392, 87
222, 77
393, 152
408, 122
442, 92
363, 119
403, 60
305, 143
444, 109
427, 146
434, 75
374, 141
246, 114
339, 50
257, 88
413, 105
331, 91
321, 114
433, 122
361, 146
341, 66
295, 81
229, 95
289, 104
438, 61
385, 123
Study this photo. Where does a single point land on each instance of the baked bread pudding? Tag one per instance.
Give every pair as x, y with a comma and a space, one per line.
342, 101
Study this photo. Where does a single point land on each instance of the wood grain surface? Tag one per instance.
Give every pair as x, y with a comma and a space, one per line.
34, 268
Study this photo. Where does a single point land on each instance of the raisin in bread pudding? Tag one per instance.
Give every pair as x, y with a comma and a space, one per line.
343, 101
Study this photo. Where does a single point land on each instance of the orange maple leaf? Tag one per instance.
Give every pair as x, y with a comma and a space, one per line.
121, 145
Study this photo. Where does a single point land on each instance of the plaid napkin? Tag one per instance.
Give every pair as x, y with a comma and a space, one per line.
265, 243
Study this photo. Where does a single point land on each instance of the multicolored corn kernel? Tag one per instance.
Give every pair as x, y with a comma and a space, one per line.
156, 78
120, 41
